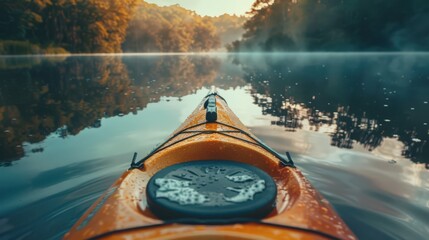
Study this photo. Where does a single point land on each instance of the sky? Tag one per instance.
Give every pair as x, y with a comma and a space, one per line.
210, 7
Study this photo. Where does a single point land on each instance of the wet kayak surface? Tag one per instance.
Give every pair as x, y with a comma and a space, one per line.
355, 124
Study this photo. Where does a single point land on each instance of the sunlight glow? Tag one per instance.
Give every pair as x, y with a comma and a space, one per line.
209, 7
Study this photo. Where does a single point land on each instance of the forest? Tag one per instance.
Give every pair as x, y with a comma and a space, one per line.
114, 26
336, 25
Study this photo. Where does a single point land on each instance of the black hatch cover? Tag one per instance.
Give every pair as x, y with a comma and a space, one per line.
211, 190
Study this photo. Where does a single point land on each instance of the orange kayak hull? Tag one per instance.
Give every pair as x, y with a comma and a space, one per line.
300, 212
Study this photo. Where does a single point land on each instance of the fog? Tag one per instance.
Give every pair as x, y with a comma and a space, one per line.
337, 25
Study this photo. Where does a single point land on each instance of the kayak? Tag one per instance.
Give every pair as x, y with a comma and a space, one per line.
211, 179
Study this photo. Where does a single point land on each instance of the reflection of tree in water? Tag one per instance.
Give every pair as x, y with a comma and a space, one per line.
348, 127
354, 100
67, 97
60, 97
363, 130
171, 76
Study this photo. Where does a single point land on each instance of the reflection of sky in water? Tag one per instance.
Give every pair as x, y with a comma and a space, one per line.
376, 197
366, 189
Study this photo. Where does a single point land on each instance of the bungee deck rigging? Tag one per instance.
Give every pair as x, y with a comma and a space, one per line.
211, 117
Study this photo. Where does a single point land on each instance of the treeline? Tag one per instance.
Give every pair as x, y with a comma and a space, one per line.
336, 25
89, 26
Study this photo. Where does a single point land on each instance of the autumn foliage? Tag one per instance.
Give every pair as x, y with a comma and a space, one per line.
76, 25
169, 29
109, 26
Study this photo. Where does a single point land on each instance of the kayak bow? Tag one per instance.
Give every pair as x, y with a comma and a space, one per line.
211, 179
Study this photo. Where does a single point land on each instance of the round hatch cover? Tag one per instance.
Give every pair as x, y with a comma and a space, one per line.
211, 190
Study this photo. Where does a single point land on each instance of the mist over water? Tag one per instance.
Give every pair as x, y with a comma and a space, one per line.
336, 25
355, 124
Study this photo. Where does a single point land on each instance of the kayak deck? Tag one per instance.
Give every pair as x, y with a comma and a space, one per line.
300, 212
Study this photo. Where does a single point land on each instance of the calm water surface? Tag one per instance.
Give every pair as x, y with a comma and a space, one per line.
355, 124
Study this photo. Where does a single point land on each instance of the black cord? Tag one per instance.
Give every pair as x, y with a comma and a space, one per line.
139, 163
284, 161
214, 222
212, 131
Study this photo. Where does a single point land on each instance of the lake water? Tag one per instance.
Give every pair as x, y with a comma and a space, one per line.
355, 124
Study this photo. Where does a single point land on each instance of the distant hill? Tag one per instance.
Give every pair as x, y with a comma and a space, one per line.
176, 29
228, 27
